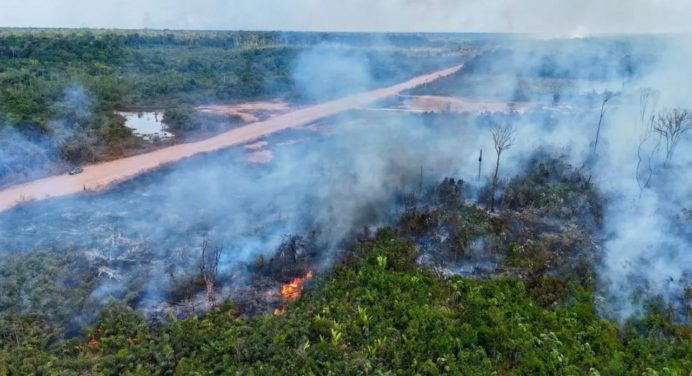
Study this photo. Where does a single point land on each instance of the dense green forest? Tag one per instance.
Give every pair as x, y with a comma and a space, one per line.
377, 313
59, 89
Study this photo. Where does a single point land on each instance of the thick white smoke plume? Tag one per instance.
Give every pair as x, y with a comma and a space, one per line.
647, 228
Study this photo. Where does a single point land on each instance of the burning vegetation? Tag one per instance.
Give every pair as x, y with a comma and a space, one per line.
291, 291
501, 268
393, 290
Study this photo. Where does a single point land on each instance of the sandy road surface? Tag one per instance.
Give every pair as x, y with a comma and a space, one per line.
100, 175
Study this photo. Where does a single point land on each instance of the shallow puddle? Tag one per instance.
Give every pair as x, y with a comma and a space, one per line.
147, 125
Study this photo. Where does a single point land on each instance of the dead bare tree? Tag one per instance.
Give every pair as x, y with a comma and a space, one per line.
608, 96
480, 161
648, 100
209, 268
420, 183
503, 137
671, 125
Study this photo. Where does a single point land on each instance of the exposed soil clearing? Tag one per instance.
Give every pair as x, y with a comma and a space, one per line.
257, 153
257, 145
247, 111
101, 175
260, 156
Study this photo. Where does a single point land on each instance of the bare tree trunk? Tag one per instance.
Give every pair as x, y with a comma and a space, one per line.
648, 100
650, 162
420, 185
209, 268
636, 171
671, 125
494, 186
600, 121
503, 137
480, 161
211, 296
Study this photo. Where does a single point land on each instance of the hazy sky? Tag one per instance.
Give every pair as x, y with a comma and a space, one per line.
556, 17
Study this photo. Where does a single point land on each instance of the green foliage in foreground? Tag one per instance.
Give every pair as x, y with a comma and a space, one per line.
377, 313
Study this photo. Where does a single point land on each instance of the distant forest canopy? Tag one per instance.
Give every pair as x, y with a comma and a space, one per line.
60, 89
136, 68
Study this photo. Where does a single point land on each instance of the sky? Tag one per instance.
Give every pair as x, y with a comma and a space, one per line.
549, 17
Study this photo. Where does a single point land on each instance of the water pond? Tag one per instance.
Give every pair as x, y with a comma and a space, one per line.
147, 125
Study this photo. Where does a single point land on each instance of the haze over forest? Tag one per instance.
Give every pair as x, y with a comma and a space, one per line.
348, 187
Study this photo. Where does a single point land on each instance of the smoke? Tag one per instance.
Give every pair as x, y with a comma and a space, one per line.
647, 235
141, 239
22, 156
344, 173
142, 232
76, 104
29, 151
328, 71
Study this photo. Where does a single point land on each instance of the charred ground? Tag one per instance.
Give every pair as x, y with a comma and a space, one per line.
393, 300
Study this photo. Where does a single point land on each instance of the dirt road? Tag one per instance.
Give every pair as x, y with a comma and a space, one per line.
100, 175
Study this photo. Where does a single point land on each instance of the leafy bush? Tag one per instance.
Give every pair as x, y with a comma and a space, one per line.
376, 313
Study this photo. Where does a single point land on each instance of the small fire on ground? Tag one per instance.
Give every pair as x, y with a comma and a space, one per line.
292, 291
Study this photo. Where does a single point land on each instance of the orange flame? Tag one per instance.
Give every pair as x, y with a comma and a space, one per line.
292, 291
